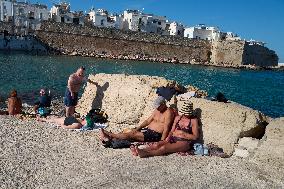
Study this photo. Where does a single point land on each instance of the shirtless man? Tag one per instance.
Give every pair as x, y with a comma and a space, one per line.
158, 126
71, 94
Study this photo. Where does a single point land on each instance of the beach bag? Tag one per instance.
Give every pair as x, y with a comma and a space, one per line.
43, 111
95, 116
117, 144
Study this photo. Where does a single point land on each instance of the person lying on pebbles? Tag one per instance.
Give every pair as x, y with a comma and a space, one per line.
158, 126
183, 134
64, 122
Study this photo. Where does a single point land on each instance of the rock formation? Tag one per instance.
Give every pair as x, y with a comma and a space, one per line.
127, 99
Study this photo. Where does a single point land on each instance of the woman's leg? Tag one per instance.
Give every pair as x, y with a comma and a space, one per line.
167, 148
52, 119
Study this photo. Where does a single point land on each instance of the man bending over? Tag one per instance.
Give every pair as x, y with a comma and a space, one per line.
156, 127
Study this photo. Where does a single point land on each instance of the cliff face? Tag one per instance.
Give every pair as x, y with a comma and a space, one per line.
237, 53
92, 41
128, 102
93, 45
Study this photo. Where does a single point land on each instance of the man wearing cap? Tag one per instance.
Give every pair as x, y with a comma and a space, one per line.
182, 136
73, 86
153, 129
44, 100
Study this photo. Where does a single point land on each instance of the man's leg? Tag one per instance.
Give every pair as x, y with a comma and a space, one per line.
167, 148
70, 110
133, 135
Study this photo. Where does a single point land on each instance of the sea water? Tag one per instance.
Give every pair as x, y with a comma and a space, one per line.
260, 90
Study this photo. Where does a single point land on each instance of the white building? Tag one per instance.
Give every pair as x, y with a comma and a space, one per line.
202, 32
231, 36
28, 16
101, 18
131, 20
62, 13
135, 20
115, 21
154, 24
6, 10
176, 29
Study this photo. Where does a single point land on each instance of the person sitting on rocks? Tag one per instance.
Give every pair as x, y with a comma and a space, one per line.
180, 139
42, 105
14, 103
158, 126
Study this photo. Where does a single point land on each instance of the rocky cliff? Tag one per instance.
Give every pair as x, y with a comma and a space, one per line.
127, 99
71, 39
238, 53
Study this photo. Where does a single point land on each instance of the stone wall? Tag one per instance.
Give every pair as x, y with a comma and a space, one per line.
238, 53
6, 26
120, 34
93, 41
86, 45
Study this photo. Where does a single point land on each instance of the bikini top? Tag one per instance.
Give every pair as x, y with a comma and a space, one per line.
187, 129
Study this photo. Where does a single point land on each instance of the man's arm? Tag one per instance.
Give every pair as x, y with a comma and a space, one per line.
92, 82
169, 117
173, 128
146, 122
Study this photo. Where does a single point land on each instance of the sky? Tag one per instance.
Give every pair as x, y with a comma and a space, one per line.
261, 20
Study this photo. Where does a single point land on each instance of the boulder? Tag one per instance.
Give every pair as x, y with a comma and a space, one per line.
223, 124
271, 151
127, 99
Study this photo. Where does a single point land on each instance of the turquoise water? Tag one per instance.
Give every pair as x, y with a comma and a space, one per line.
261, 90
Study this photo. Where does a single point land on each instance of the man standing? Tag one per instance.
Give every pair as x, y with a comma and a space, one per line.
158, 126
73, 86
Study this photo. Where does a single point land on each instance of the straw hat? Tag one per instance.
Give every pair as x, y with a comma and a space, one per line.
186, 108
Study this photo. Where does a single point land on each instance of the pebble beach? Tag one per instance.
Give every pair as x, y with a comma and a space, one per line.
40, 155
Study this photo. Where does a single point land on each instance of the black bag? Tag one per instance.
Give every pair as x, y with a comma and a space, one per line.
117, 144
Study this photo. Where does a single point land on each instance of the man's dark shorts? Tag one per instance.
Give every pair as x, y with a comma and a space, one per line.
151, 136
68, 100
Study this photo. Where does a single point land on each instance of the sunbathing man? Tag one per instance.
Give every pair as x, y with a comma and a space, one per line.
183, 133
158, 126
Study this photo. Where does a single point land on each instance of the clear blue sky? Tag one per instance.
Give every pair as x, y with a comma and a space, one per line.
251, 19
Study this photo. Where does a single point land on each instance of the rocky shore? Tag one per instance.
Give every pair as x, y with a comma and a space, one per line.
40, 155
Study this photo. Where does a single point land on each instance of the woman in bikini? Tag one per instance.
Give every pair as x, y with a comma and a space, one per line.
183, 133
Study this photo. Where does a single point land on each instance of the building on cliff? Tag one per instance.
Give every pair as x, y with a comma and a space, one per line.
27, 17
101, 18
203, 32
6, 10
62, 13
176, 29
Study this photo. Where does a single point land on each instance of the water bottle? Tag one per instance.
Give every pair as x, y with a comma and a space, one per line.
198, 149
205, 150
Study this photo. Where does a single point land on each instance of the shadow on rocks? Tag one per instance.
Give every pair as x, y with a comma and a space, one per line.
198, 113
98, 100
